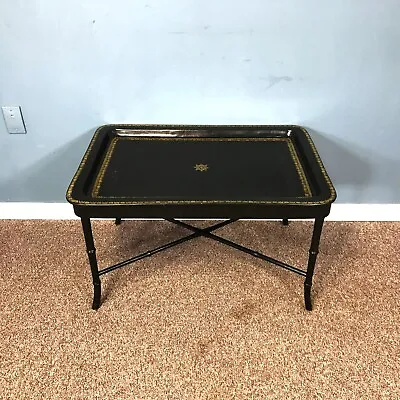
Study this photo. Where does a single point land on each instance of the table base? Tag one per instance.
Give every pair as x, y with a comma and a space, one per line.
205, 232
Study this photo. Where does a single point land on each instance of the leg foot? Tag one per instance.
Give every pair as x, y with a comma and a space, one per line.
307, 297
285, 222
118, 221
96, 296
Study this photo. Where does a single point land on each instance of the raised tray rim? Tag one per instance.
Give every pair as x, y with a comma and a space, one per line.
255, 129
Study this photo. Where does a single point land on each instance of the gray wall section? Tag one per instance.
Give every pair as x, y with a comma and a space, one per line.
333, 67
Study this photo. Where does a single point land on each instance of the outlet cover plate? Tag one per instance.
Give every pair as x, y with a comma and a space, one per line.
13, 119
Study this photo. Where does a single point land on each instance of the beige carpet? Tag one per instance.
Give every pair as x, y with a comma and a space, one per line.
201, 320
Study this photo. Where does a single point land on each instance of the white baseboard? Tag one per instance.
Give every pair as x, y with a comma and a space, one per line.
64, 211
22, 210
364, 212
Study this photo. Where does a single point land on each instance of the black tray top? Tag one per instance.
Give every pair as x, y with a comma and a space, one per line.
165, 164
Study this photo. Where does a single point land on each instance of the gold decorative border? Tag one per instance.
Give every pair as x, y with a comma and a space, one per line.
300, 170
328, 181
110, 151
329, 200
80, 168
106, 162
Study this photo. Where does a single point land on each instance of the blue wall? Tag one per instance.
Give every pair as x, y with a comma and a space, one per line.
73, 65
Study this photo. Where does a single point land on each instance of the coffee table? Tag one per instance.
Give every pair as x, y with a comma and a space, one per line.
178, 172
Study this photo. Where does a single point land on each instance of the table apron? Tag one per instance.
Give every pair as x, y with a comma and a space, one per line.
203, 211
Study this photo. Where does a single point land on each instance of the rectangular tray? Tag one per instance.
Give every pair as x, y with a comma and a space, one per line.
172, 164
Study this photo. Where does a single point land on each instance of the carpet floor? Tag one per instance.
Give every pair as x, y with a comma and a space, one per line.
201, 320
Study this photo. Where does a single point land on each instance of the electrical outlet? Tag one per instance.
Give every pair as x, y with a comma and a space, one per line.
13, 119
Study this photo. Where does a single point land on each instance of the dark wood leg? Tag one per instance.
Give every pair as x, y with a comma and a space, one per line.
118, 221
91, 251
285, 221
318, 223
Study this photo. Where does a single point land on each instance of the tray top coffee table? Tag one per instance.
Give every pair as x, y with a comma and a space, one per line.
218, 172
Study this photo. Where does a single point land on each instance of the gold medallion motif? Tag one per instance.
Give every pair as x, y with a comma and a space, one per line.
201, 167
